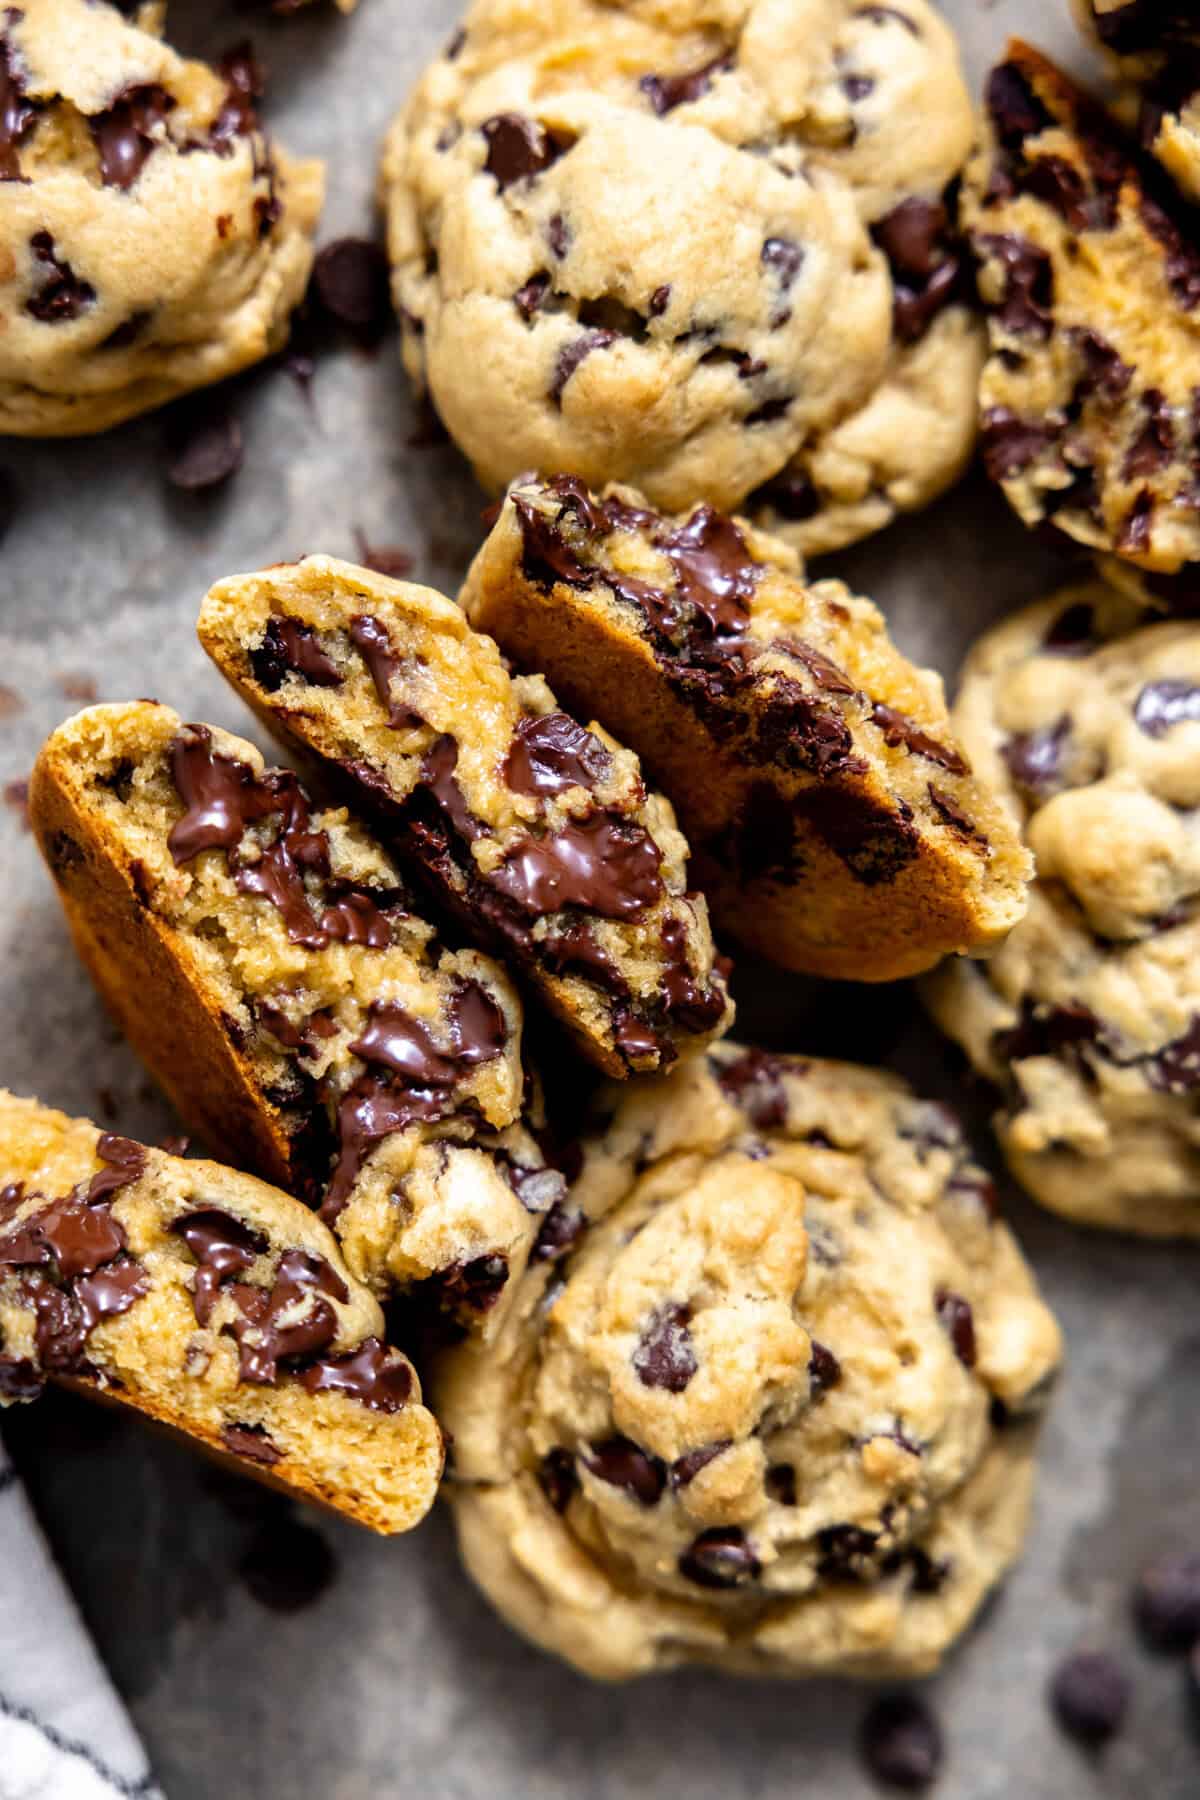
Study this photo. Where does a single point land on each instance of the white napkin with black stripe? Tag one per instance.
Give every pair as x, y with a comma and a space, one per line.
64, 1734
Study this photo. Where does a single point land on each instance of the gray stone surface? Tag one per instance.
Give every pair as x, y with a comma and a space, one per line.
398, 1681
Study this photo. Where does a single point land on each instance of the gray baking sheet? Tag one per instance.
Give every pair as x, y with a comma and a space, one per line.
398, 1680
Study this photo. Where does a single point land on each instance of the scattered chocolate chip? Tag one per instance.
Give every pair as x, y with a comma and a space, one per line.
901, 1743
958, 1322
784, 257
621, 1463
1026, 309
18, 114
287, 1566
476, 1284
204, 446
350, 280
720, 1558
387, 669
530, 296
874, 843
560, 1232
1090, 1695
790, 494
665, 1356
244, 87
1167, 1602
374, 1375
1134, 535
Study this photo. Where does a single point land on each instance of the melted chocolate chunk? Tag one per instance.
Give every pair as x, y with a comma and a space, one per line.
1047, 1031
958, 1322
476, 1284
666, 92
518, 148
222, 1246
622, 1464
875, 845
397, 1041
60, 294
953, 817
1090, 1694
1162, 705
437, 774
928, 272
370, 638
901, 1742
665, 1356
290, 648
109, 1291
561, 1230
605, 864
253, 1443
824, 1370
126, 1163
1015, 110
374, 1375
685, 1468
18, 114
19, 1380
1026, 309
1105, 369
571, 356
350, 279
898, 729
638, 1040
373, 1109
356, 918
696, 1005
1182, 254
799, 732
221, 796
550, 754
291, 1319
557, 1478
128, 132
1154, 445
721, 1558
74, 1236
714, 570
529, 297
1035, 758
754, 1083
823, 671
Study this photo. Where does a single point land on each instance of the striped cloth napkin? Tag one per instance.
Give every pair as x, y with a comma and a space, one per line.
64, 1734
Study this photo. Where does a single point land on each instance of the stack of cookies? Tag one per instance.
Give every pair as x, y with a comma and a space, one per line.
746, 1369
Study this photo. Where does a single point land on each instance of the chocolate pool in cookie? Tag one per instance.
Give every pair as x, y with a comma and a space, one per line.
776, 1410
1087, 1020
836, 823
152, 239
707, 250
211, 1304
536, 833
267, 961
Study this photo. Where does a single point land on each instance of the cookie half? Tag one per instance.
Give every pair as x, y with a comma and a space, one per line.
1090, 271
777, 1411
1087, 1019
537, 834
266, 961
1155, 48
837, 826
152, 239
212, 1304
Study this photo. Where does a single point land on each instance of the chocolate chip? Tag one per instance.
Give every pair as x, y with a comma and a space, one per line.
519, 148
1154, 445
604, 863
901, 1743
665, 1356
551, 753
529, 298
1105, 369
374, 1375
784, 257
621, 1463
287, 1566
130, 130
720, 1558
291, 648
660, 300
958, 1322
874, 843
561, 1230
558, 236
557, 1478
1014, 108
1090, 1695
791, 495
350, 280
1047, 1031
666, 92
18, 114
685, 1468
437, 775
1026, 308
754, 1083
690, 1001
60, 294
824, 1370
1161, 705
1167, 1602
292, 1319
204, 444
387, 669
1035, 758
253, 1443
244, 87
955, 819
222, 1246
780, 1483
898, 729
125, 1163
571, 356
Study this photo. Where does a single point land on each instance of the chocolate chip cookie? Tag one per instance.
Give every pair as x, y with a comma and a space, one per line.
536, 833
210, 1303
152, 239
775, 1411
267, 962
836, 823
1156, 50
708, 250
1091, 275
1087, 1019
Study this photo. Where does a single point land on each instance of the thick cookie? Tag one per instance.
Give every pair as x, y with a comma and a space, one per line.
152, 239
266, 962
775, 1411
538, 835
707, 249
210, 1303
836, 824
1156, 48
1091, 274
1088, 1018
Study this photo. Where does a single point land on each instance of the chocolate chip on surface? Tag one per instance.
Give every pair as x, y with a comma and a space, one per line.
901, 1743
1090, 1695
1166, 1601
205, 447
287, 1566
350, 280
